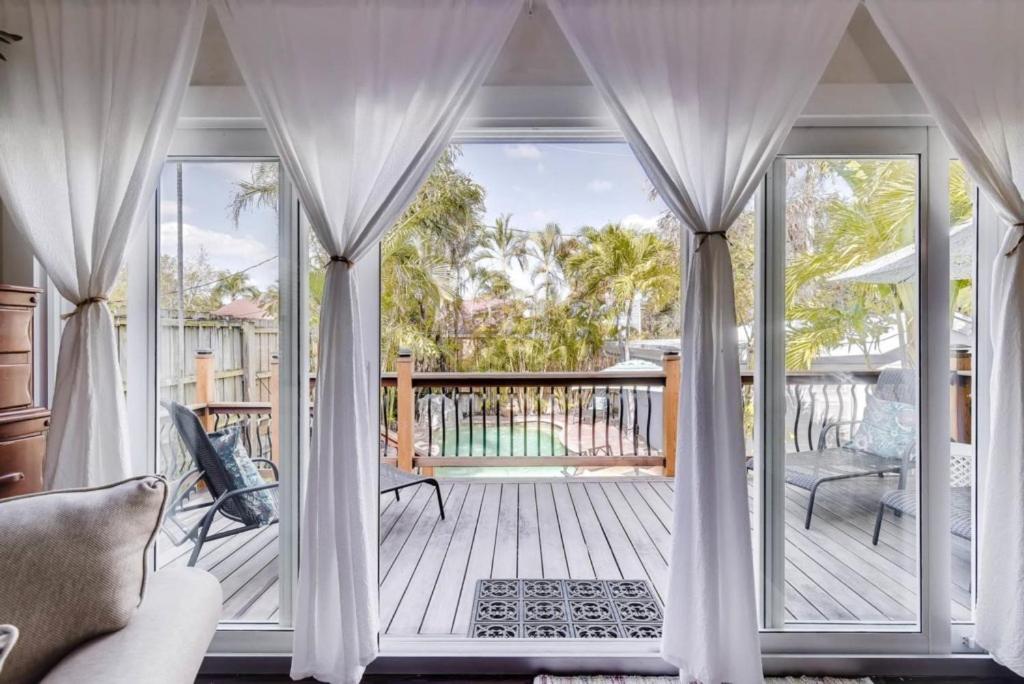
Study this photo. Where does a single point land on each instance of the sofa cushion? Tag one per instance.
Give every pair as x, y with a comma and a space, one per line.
74, 567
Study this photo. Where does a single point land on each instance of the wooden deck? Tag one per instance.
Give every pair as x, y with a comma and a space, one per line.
617, 528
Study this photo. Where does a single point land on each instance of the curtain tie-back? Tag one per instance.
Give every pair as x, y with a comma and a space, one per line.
703, 235
1020, 238
344, 260
82, 304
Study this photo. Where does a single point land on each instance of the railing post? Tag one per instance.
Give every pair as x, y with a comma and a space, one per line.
670, 410
406, 408
275, 408
205, 386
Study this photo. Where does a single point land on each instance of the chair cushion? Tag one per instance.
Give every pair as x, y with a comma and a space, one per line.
887, 430
73, 564
256, 507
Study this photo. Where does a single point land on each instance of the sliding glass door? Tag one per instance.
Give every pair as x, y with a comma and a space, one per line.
846, 439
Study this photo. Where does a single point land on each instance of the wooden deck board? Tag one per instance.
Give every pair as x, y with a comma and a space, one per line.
584, 529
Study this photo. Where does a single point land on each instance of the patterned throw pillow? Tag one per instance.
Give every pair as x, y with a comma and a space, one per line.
888, 429
259, 506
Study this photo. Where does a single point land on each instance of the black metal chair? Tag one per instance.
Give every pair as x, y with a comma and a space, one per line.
224, 499
394, 480
904, 502
810, 470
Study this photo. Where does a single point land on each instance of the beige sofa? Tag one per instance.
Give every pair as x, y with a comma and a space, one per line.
164, 642
81, 605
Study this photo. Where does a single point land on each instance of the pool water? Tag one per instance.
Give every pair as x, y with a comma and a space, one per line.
522, 440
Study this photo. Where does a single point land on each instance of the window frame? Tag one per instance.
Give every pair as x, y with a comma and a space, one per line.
243, 138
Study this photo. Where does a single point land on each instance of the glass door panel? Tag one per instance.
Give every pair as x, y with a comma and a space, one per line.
217, 348
850, 426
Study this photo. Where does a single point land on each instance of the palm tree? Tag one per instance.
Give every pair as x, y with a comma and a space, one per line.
547, 250
232, 286
621, 269
260, 190
504, 244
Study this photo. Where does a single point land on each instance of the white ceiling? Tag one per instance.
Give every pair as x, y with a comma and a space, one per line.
538, 54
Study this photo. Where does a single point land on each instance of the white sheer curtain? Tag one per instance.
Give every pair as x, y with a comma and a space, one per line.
705, 92
360, 98
89, 101
966, 57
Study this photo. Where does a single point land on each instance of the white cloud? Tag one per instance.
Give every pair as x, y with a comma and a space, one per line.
600, 185
523, 151
225, 251
539, 216
169, 209
640, 222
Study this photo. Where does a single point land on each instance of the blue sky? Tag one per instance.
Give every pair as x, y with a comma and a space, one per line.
572, 184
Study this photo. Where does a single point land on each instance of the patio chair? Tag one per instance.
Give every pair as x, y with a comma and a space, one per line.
810, 470
903, 502
394, 480
231, 502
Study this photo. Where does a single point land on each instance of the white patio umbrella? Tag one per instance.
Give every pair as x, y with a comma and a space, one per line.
900, 266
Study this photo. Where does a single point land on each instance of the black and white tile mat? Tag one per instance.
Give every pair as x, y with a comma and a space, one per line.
565, 609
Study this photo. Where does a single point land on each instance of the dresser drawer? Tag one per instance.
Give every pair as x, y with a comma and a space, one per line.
21, 465
15, 386
15, 330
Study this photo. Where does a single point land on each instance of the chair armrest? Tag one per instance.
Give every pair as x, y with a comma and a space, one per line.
273, 466
239, 492
829, 426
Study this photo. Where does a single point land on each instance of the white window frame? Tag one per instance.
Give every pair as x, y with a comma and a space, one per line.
882, 120
243, 144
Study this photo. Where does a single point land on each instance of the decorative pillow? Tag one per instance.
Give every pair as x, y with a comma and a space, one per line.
261, 506
73, 567
888, 428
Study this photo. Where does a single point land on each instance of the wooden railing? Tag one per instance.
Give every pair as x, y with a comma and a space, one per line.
609, 418
562, 419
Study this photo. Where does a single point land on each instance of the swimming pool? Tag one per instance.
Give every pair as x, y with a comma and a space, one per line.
491, 440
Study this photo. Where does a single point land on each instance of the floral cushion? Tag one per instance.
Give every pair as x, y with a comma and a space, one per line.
260, 506
888, 429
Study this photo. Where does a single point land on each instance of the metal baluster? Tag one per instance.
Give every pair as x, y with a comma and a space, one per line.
593, 420
444, 424
458, 414
636, 424
579, 419
842, 410
565, 428
798, 403
483, 417
511, 422
810, 416
622, 417
607, 415
430, 424
648, 438
551, 398
538, 390
471, 396
384, 415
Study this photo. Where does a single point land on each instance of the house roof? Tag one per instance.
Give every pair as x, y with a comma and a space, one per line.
244, 308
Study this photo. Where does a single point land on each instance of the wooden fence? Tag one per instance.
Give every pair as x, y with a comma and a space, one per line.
242, 352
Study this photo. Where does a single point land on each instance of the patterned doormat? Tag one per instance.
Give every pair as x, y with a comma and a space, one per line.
565, 609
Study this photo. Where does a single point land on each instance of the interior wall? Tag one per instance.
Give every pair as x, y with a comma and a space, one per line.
538, 54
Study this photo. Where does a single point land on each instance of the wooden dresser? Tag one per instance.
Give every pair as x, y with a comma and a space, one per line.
22, 425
